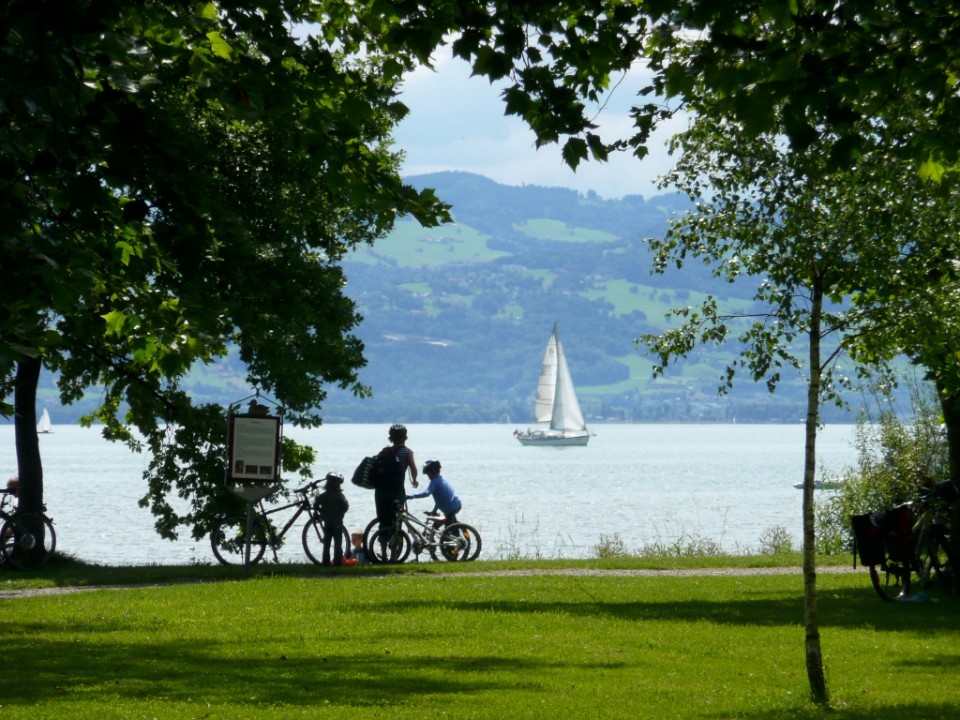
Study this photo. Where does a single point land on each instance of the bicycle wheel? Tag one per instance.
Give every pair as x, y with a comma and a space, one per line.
460, 543
312, 539
891, 581
390, 545
935, 563
368, 532
228, 540
28, 540
313, 534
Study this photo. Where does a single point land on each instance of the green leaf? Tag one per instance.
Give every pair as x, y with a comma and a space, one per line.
219, 45
115, 321
932, 170
574, 151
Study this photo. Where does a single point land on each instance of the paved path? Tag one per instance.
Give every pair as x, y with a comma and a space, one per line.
559, 572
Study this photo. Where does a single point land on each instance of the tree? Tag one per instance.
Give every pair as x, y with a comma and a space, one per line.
837, 254
185, 178
915, 292
761, 214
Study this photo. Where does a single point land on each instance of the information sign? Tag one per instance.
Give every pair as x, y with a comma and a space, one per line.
253, 450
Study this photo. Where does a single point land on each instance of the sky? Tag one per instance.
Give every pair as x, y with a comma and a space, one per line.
457, 122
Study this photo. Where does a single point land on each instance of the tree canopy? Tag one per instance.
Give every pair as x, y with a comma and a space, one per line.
178, 178
819, 72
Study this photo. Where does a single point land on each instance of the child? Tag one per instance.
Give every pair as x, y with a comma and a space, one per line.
358, 554
333, 507
444, 497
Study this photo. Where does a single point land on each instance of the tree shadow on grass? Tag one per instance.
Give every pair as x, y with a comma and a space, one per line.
839, 609
905, 711
36, 670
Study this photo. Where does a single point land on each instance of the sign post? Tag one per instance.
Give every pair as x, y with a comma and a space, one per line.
253, 459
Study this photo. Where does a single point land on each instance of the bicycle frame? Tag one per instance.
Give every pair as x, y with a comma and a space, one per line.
430, 538
273, 536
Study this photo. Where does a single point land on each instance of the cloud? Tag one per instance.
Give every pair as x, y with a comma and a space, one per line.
457, 122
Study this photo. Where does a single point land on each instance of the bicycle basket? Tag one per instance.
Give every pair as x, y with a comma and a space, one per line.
885, 533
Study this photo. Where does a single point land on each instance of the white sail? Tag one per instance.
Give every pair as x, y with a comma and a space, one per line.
44, 426
557, 411
547, 384
566, 416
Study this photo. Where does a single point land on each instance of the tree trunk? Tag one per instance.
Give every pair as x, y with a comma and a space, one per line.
814, 656
950, 405
29, 467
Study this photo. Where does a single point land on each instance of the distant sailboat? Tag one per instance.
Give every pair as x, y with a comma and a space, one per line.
557, 411
44, 426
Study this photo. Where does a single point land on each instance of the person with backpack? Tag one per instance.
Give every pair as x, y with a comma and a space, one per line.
390, 488
333, 506
444, 496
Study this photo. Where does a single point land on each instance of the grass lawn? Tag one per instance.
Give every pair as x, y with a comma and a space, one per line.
426, 642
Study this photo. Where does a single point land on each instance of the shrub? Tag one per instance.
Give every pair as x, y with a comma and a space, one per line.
610, 547
897, 461
776, 541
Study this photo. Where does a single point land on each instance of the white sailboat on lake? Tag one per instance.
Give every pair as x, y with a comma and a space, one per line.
44, 426
557, 412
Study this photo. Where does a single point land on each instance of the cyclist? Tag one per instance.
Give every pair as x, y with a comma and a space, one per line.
444, 496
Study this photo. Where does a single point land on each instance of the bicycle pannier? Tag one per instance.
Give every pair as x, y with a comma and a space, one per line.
867, 540
886, 532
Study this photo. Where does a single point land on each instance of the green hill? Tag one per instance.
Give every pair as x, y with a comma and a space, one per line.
455, 318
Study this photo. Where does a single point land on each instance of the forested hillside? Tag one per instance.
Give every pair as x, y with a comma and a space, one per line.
456, 318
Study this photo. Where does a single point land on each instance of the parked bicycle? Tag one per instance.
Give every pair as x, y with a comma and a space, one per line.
456, 542
27, 539
229, 535
912, 539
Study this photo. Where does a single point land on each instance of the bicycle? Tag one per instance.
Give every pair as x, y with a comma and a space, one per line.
27, 539
456, 542
228, 537
910, 539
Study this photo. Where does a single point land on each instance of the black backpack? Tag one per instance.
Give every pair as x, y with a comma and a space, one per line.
376, 470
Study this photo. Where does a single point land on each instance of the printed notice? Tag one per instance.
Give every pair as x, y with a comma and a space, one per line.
254, 447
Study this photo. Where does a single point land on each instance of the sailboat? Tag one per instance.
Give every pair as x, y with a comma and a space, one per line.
44, 426
557, 412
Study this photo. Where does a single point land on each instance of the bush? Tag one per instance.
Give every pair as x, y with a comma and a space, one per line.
776, 540
896, 462
610, 547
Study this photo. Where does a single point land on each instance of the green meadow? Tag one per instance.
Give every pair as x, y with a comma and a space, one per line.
434, 641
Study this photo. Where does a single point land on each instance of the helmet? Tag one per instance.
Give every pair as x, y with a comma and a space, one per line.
397, 432
431, 466
333, 478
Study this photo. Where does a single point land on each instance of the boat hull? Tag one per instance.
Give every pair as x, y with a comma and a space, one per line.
822, 485
546, 440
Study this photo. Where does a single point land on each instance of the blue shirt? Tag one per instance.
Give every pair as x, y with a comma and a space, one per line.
443, 495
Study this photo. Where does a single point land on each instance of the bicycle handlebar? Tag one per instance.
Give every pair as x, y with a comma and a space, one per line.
309, 486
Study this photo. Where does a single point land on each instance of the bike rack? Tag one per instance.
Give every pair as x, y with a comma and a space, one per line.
254, 439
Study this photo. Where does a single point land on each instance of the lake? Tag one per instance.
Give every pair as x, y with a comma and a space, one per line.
729, 484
